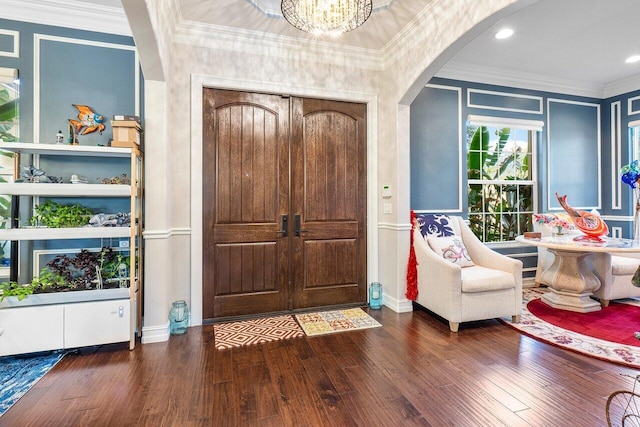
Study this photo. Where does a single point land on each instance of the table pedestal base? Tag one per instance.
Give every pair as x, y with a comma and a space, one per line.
571, 301
571, 281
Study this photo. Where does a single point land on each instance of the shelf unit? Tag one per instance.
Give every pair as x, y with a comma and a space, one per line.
95, 310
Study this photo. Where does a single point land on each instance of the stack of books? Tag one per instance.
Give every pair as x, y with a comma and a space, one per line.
127, 131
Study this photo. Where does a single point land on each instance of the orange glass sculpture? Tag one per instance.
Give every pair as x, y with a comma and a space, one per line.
589, 223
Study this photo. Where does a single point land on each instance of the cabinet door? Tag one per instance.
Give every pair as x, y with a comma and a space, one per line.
95, 323
31, 329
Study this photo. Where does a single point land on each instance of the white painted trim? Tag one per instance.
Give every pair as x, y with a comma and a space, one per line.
616, 155
165, 234
399, 306
599, 149
394, 227
534, 125
15, 53
462, 168
439, 211
500, 77
616, 232
619, 87
630, 110
36, 71
627, 218
504, 95
634, 123
198, 83
155, 333
76, 14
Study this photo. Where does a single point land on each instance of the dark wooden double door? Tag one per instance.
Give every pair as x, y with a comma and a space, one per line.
284, 203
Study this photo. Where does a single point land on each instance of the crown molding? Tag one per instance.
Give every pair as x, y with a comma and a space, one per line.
629, 84
274, 45
512, 78
69, 14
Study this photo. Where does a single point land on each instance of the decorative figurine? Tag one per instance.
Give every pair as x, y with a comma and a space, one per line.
89, 121
589, 223
59, 137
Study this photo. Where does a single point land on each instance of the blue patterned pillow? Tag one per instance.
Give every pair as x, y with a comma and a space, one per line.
436, 225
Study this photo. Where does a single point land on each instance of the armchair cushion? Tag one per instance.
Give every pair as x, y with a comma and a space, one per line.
622, 266
482, 279
451, 249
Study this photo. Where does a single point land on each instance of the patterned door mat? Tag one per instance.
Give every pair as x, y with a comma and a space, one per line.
255, 331
328, 322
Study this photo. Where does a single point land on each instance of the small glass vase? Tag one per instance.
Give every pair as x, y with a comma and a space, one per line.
178, 318
557, 232
375, 296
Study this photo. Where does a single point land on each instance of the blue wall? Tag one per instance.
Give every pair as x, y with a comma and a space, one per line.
574, 151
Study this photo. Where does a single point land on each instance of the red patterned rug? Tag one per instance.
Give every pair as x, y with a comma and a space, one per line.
607, 334
255, 331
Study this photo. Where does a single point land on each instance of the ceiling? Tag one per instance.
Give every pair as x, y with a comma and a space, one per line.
569, 45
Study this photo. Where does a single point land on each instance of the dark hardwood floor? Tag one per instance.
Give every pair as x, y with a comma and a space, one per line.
412, 371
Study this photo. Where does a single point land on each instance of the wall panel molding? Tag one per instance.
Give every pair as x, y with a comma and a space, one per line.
37, 72
562, 147
616, 155
477, 98
15, 50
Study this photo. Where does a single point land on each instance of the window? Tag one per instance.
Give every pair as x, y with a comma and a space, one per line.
501, 185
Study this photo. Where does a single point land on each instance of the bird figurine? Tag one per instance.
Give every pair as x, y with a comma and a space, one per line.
87, 119
589, 223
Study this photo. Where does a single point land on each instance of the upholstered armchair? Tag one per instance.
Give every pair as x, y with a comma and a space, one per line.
461, 279
614, 271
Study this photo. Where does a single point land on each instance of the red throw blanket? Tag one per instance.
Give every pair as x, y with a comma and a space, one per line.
412, 270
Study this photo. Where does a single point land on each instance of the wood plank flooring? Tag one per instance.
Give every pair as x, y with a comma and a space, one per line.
410, 372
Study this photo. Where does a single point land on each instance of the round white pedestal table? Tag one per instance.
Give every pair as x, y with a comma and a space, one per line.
570, 279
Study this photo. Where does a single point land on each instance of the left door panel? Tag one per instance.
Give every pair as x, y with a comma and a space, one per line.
246, 194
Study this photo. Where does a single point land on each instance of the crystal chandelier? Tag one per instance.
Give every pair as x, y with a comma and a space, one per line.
326, 16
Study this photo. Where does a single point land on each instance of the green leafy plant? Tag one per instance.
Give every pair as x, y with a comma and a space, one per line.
13, 289
55, 215
83, 271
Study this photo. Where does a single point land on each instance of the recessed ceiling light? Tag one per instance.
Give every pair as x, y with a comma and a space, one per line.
632, 59
504, 33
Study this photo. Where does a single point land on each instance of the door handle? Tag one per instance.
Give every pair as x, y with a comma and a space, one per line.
285, 226
297, 229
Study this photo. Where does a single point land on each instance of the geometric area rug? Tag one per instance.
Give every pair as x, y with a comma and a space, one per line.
574, 336
263, 330
19, 373
255, 331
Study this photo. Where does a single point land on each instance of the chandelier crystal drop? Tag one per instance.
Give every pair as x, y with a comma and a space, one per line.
322, 17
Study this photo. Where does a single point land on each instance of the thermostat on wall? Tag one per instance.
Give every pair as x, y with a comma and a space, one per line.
386, 192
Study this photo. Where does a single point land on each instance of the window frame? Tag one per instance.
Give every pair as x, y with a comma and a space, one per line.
534, 129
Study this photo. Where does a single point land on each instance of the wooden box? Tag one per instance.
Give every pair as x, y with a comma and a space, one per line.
126, 133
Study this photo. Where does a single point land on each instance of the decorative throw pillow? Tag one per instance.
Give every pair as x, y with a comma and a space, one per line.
437, 225
452, 249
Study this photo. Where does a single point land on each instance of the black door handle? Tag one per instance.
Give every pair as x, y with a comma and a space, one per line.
297, 230
285, 226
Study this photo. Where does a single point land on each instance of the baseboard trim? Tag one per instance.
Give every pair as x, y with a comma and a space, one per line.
399, 306
156, 333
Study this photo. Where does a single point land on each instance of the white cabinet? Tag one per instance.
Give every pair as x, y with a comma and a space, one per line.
31, 329
95, 323
27, 326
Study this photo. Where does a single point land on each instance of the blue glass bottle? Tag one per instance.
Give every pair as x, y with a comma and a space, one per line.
375, 296
178, 318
